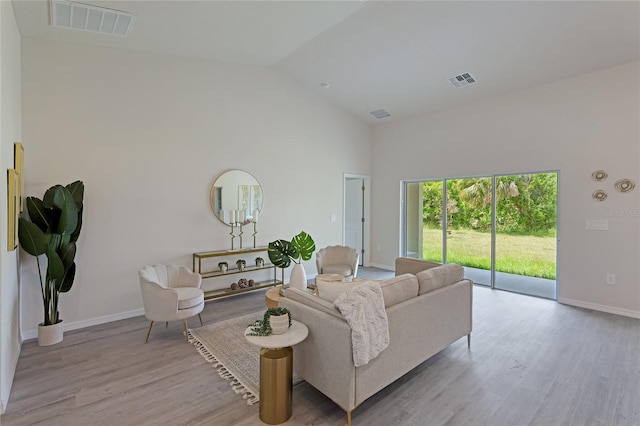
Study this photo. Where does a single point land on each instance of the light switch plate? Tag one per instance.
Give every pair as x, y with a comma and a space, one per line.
598, 224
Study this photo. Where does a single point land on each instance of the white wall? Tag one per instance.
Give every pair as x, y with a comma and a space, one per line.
148, 134
10, 128
576, 126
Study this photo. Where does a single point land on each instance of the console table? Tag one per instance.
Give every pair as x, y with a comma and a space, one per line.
205, 263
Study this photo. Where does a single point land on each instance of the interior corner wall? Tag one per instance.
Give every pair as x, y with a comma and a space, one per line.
10, 128
576, 126
148, 134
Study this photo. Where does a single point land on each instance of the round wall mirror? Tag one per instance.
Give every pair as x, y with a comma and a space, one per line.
236, 198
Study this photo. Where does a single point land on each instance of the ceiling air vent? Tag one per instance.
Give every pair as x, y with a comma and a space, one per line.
462, 80
380, 113
83, 17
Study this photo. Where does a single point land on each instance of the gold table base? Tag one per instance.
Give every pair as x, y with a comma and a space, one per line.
276, 373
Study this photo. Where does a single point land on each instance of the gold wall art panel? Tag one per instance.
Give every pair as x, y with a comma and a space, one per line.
18, 165
12, 209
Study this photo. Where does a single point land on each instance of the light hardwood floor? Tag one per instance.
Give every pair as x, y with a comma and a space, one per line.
532, 362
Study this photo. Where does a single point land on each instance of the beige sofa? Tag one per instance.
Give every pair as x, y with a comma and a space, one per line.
428, 306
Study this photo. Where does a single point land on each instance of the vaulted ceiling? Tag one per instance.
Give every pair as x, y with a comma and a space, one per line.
369, 55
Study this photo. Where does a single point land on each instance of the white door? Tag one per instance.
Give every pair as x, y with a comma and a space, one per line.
354, 214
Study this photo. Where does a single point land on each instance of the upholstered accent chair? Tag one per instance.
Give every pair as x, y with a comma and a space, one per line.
341, 260
170, 293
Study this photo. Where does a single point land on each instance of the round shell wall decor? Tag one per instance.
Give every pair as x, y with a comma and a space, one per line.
625, 185
599, 175
599, 195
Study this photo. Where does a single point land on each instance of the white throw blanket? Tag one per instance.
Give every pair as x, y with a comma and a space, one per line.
363, 308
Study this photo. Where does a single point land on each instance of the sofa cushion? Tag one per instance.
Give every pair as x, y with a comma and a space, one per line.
313, 301
329, 290
398, 289
435, 278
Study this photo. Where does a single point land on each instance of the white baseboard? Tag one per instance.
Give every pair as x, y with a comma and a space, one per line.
68, 326
5, 394
4, 401
601, 308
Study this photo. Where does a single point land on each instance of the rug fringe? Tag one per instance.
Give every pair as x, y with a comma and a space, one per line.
235, 384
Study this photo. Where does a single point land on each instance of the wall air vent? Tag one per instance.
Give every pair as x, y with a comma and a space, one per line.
462, 80
83, 17
380, 113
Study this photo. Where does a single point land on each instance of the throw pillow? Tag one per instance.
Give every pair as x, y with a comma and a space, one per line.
435, 278
329, 291
398, 289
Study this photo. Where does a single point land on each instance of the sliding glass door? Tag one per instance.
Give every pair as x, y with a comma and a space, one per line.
423, 220
501, 228
525, 248
468, 236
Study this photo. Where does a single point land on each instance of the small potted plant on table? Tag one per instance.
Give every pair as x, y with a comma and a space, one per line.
275, 321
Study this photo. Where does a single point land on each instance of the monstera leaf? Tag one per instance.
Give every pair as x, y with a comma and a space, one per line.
283, 252
305, 245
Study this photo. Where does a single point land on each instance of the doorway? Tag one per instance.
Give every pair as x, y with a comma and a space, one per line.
356, 211
501, 228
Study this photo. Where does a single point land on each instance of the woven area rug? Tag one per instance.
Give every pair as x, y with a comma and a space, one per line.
223, 345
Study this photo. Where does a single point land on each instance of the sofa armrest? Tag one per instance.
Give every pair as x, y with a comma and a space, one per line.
409, 265
324, 359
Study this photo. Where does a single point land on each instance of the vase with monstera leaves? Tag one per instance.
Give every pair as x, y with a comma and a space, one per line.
282, 253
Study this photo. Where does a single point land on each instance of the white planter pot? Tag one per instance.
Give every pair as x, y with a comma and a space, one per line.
50, 334
279, 323
298, 278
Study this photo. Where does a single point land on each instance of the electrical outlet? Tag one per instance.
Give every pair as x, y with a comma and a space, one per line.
611, 279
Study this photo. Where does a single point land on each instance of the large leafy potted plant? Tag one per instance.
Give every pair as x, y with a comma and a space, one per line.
52, 228
283, 252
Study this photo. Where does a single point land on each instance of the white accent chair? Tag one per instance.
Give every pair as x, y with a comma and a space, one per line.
341, 260
170, 293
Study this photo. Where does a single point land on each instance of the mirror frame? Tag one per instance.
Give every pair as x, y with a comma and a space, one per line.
238, 216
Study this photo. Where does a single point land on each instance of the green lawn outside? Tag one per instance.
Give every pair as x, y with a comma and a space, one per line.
531, 256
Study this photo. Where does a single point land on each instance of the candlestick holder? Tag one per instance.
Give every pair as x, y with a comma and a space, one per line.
255, 231
233, 237
240, 234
